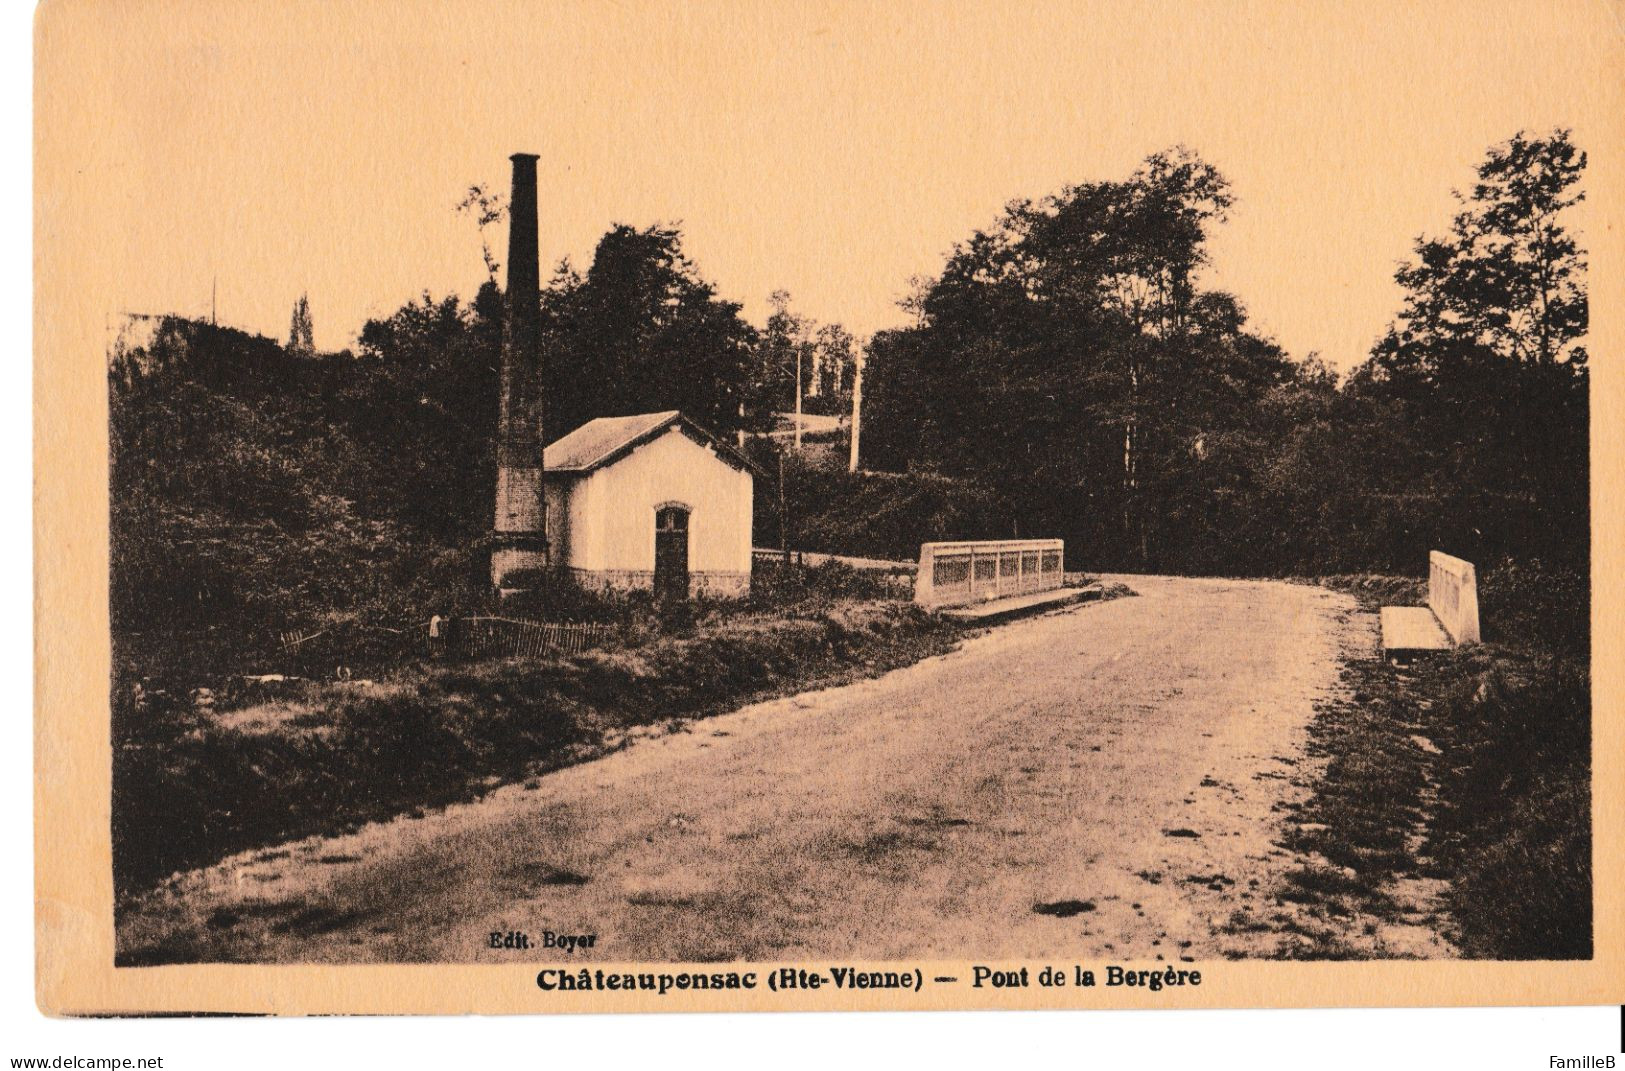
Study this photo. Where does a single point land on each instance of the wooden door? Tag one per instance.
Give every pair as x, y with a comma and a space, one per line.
671, 552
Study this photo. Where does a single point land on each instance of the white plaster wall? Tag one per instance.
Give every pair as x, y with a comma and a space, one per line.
612, 511
585, 538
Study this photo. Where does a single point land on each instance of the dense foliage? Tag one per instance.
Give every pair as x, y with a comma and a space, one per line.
257, 491
226, 446
643, 332
1070, 361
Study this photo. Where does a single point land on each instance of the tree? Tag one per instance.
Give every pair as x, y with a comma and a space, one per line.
301, 337
642, 331
784, 348
423, 401
1130, 251
488, 210
1487, 353
1508, 282
1068, 356
833, 363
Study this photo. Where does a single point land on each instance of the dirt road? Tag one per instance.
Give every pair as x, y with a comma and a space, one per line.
1108, 779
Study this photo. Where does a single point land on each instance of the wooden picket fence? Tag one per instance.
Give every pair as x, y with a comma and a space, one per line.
349, 634
293, 640
460, 637
508, 637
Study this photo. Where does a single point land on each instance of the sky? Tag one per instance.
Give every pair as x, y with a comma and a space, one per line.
832, 150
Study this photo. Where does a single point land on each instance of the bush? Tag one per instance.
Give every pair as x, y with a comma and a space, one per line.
776, 585
1532, 606
1516, 825
875, 515
552, 595
255, 492
1528, 895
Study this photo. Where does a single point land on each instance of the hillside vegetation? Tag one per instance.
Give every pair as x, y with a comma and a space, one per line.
255, 492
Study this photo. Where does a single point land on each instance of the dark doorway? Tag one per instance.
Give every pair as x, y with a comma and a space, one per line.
671, 552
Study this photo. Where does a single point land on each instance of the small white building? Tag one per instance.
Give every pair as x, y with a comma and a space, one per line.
649, 501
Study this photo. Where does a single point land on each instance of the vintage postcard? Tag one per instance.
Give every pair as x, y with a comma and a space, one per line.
568, 506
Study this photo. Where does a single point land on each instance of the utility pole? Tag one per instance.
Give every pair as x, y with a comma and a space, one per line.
214, 302
784, 523
857, 409
798, 397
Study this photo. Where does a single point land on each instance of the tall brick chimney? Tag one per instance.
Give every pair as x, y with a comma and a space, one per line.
521, 517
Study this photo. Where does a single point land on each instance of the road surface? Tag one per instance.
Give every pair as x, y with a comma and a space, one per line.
1104, 780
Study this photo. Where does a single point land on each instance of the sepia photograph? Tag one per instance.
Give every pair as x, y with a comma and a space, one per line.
942, 501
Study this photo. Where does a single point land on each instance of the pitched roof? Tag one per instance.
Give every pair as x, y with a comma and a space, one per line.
604, 439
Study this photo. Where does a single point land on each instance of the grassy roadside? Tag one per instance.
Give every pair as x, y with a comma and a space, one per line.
193, 784
1456, 791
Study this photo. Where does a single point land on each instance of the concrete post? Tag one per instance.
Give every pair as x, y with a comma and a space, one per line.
924, 594
857, 411
1453, 596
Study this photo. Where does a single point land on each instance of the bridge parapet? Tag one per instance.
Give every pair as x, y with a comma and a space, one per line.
1453, 596
967, 572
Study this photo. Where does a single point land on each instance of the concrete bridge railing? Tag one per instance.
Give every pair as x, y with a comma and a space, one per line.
1453, 596
962, 573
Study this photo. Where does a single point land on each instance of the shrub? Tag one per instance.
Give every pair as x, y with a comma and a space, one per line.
1532, 606
777, 585
876, 515
1516, 825
1527, 895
